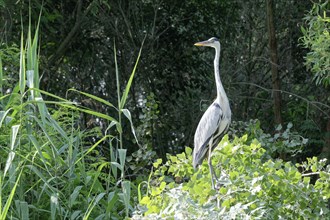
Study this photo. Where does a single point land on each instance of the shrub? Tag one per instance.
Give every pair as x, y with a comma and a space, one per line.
250, 187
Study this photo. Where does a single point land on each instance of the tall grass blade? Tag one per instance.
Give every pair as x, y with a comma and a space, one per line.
57, 127
112, 199
75, 215
43, 111
51, 141
117, 74
30, 82
122, 158
32, 55
35, 55
1, 78
94, 97
91, 206
51, 95
29, 56
74, 195
11, 155
91, 112
10, 198
38, 147
128, 115
126, 195
113, 159
53, 205
22, 78
1, 194
92, 148
41, 176
118, 126
129, 83
23, 209
4, 118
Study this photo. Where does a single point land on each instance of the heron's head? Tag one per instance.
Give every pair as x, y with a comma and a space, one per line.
212, 42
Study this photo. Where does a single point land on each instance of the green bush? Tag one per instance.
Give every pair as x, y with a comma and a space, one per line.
316, 38
285, 142
250, 187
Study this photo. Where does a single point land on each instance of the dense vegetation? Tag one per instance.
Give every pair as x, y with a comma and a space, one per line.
99, 101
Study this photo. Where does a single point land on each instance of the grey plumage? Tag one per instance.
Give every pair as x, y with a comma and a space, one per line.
216, 119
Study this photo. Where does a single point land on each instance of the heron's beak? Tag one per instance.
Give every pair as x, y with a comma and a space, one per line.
201, 44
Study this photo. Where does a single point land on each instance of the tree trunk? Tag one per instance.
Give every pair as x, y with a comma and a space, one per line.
276, 81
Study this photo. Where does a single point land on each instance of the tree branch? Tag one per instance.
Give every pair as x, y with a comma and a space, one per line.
74, 30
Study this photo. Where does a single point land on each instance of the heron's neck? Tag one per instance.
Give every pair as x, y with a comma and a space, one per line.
221, 94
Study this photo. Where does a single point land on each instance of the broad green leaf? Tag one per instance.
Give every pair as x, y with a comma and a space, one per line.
188, 150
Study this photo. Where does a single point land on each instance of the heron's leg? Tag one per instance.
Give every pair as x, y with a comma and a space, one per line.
213, 175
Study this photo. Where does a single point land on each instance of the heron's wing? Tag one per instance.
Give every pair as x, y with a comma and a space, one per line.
212, 124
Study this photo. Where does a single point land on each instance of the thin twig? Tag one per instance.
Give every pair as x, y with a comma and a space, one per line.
310, 174
313, 103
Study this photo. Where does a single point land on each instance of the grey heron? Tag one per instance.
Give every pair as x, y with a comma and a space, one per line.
216, 119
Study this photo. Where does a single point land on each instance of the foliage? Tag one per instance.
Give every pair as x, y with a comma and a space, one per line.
149, 114
77, 44
80, 157
250, 187
283, 142
316, 37
50, 168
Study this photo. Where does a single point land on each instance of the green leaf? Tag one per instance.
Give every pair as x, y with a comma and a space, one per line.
22, 77
157, 163
111, 202
92, 204
1, 78
145, 200
94, 97
122, 156
53, 205
3, 117
74, 195
129, 83
11, 155
23, 208
5, 209
126, 195
127, 113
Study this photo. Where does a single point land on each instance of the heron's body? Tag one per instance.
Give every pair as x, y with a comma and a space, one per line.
216, 119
